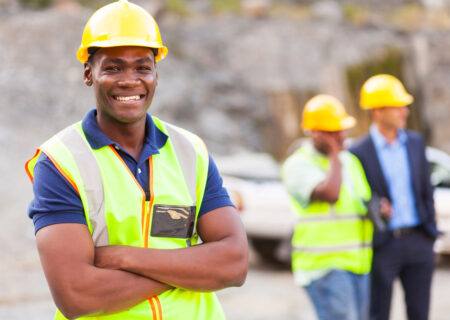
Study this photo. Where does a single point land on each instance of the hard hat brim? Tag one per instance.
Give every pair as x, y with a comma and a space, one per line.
82, 53
345, 124
348, 123
404, 101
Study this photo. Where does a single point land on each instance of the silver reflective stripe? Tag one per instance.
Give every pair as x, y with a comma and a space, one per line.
326, 249
187, 157
93, 184
332, 217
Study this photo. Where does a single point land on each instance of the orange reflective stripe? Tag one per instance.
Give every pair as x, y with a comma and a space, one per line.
159, 308
63, 172
27, 168
143, 215
140, 188
152, 199
153, 307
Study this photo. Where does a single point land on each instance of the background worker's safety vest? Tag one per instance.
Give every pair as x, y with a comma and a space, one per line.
334, 236
117, 212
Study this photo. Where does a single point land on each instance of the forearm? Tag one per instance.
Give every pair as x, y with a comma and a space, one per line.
206, 267
221, 261
98, 291
77, 286
329, 189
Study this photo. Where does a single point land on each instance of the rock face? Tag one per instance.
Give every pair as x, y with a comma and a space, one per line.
239, 81
223, 76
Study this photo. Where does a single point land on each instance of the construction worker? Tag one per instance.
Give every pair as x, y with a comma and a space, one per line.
331, 243
122, 198
397, 170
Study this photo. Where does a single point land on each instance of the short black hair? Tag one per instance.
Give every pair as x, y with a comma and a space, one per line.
155, 52
93, 50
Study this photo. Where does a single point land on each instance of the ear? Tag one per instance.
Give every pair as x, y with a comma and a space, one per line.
87, 75
373, 114
156, 78
314, 134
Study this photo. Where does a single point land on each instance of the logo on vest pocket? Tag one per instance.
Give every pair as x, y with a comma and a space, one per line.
173, 221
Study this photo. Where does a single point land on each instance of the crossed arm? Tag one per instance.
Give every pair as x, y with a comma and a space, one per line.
218, 263
84, 280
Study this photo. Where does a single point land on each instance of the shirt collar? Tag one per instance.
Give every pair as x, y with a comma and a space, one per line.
381, 142
155, 139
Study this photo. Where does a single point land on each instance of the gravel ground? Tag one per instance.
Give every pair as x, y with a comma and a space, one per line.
268, 293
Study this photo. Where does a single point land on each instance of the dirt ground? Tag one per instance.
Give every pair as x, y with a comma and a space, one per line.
268, 293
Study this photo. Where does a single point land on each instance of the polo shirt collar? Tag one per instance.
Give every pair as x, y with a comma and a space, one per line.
381, 142
154, 139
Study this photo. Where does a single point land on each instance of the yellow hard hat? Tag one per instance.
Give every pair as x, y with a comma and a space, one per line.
120, 24
384, 90
326, 113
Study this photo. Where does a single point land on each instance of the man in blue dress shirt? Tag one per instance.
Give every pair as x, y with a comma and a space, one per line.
398, 173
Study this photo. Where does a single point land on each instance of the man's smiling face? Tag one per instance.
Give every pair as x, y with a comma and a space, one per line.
124, 81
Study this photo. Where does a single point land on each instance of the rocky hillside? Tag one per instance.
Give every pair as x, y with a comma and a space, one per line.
237, 78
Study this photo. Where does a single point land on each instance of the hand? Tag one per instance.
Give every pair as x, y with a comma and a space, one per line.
332, 144
385, 208
109, 257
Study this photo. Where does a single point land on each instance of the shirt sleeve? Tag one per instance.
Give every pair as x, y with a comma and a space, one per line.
55, 201
300, 178
216, 196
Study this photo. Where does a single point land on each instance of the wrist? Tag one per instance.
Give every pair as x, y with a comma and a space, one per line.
124, 259
334, 155
131, 259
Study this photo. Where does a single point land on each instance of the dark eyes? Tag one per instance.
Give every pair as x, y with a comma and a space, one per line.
114, 68
145, 68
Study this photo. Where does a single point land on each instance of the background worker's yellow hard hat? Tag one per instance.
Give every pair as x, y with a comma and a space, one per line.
384, 90
121, 24
326, 113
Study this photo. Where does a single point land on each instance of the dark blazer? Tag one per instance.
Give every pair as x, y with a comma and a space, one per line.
365, 150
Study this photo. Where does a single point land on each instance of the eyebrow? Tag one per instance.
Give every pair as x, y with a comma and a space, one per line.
143, 60
121, 61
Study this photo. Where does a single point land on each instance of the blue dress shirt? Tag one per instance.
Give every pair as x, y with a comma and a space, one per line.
55, 200
393, 158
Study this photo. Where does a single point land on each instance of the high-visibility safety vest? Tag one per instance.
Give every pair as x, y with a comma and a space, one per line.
117, 212
333, 236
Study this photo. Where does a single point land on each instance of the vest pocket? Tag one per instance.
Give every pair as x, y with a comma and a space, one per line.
173, 221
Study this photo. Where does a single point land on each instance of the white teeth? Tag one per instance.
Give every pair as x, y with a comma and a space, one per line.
121, 98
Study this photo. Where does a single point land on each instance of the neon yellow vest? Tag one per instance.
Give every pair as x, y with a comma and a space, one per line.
118, 215
337, 236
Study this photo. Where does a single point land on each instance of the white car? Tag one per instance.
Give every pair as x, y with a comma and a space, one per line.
254, 182
440, 179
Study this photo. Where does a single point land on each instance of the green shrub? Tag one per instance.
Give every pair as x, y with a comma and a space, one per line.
94, 4
177, 6
36, 4
356, 14
226, 5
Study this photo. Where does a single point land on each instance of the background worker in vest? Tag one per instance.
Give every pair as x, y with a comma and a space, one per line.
331, 243
116, 190
397, 170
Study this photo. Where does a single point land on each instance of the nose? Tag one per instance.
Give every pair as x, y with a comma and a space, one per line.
128, 82
128, 79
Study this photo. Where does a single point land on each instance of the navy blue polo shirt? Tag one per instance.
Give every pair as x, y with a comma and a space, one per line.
55, 200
